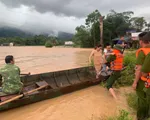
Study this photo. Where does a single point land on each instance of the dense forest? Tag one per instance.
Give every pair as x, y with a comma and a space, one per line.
114, 25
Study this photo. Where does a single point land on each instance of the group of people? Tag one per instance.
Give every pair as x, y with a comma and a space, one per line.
113, 59
142, 77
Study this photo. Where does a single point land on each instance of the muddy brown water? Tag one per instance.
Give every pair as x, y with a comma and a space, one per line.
41, 59
93, 103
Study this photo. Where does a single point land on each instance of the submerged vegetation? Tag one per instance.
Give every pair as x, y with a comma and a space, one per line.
48, 44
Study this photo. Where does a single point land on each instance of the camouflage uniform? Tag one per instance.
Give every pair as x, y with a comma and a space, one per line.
11, 82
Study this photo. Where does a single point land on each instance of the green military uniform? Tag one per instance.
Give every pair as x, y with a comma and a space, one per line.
11, 82
116, 74
143, 94
146, 69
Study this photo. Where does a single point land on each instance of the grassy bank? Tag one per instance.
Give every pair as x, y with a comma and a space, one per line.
132, 100
127, 75
123, 115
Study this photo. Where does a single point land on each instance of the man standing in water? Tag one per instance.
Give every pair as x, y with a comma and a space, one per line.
11, 83
142, 77
116, 66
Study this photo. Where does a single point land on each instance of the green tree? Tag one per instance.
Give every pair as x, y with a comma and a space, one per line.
92, 22
138, 23
48, 44
147, 26
82, 37
119, 22
115, 24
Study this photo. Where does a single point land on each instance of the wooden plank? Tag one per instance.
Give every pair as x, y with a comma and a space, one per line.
41, 83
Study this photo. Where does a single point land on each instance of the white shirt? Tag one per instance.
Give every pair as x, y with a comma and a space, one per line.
105, 50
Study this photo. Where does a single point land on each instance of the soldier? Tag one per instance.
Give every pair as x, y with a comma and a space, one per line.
142, 77
116, 66
11, 83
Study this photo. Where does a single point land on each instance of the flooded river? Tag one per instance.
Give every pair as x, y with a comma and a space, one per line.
41, 59
93, 103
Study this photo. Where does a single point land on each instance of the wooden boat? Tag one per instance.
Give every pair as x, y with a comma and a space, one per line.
59, 83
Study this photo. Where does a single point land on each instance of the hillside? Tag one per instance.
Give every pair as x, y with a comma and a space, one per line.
64, 36
14, 32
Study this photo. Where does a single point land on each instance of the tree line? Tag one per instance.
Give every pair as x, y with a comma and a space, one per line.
37, 40
114, 25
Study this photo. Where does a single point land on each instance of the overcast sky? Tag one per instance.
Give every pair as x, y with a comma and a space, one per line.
62, 15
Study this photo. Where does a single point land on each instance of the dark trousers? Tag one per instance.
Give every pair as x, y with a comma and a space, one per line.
143, 111
113, 77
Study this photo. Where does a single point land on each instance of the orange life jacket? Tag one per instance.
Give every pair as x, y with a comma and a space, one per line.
118, 63
147, 78
147, 83
144, 50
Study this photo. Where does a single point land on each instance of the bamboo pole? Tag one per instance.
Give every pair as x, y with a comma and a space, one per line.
19, 96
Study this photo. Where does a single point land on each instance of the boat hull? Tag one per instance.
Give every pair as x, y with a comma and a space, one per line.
61, 82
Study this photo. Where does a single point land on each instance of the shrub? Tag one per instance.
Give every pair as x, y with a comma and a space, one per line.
131, 49
127, 75
48, 44
130, 59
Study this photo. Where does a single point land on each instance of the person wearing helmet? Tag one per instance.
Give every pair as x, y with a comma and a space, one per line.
116, 65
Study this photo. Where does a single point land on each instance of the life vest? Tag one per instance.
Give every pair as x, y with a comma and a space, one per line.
147, 83
118, 63
146, 51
